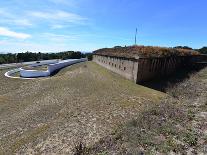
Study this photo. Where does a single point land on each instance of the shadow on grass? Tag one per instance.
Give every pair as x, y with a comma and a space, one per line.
163, 83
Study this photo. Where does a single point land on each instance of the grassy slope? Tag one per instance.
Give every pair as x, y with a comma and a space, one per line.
175, 126
39, 68
84, 103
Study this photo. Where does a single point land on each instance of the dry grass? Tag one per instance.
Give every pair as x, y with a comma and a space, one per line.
39, 68
82, 103
144, 51
176, 125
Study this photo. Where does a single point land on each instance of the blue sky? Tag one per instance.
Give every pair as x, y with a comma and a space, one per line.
86, 25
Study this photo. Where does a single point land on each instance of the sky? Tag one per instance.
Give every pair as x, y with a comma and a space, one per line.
87, 25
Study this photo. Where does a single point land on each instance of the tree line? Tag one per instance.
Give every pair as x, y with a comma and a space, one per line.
202, 50
30, 56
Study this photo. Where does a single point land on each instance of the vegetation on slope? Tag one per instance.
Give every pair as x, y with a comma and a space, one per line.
203, 50
144, 51
84, 102
175, 126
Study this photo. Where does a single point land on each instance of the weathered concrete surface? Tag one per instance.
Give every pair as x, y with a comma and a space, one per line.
125, 67
53, 66
143, 69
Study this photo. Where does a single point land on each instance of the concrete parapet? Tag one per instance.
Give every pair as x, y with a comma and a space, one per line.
51, 68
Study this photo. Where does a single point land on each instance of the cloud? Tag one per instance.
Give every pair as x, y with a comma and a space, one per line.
8, 33
64, 2
59, 38
7, 17
58, 16
57, 26
22, 22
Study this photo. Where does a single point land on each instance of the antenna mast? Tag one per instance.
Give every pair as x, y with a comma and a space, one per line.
136, 37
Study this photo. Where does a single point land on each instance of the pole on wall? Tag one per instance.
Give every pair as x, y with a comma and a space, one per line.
136, 37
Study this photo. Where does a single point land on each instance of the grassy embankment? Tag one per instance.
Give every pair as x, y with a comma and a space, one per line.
82, 103
177, 125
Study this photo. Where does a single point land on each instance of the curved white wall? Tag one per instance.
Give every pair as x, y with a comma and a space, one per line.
9, 73
45, 62
33, 73
54, 67
51, 68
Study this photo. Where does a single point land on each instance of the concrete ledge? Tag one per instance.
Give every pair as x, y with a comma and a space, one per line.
57, 66
51, 68
33, 73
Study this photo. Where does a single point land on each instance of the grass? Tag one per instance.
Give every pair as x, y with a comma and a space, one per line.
86, 109
171, 126
84, 102
28, 137
39, 68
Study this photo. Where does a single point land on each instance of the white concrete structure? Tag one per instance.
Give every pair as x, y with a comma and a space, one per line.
51, 68
54, 67
33, 73
45, 62
9, 73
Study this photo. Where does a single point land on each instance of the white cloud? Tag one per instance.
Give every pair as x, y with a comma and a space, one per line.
58, 16
57, 26
59, 38
22, 22
64, 2
8, 33
7, 17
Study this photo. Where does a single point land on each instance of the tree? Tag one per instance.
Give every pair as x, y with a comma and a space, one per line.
2, 60
29, 56
183, 47
203, 50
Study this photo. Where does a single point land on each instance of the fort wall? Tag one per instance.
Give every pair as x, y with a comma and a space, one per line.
126, 67
143, 69
150, 68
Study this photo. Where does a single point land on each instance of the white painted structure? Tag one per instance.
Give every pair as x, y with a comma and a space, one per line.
33, 73
9, 73
51, 68
45, 62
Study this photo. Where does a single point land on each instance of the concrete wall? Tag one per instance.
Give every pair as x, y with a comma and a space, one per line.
143, 69
126, 67
44, 62
57, 66
9, 73
150, 68
33, 73
51, 68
